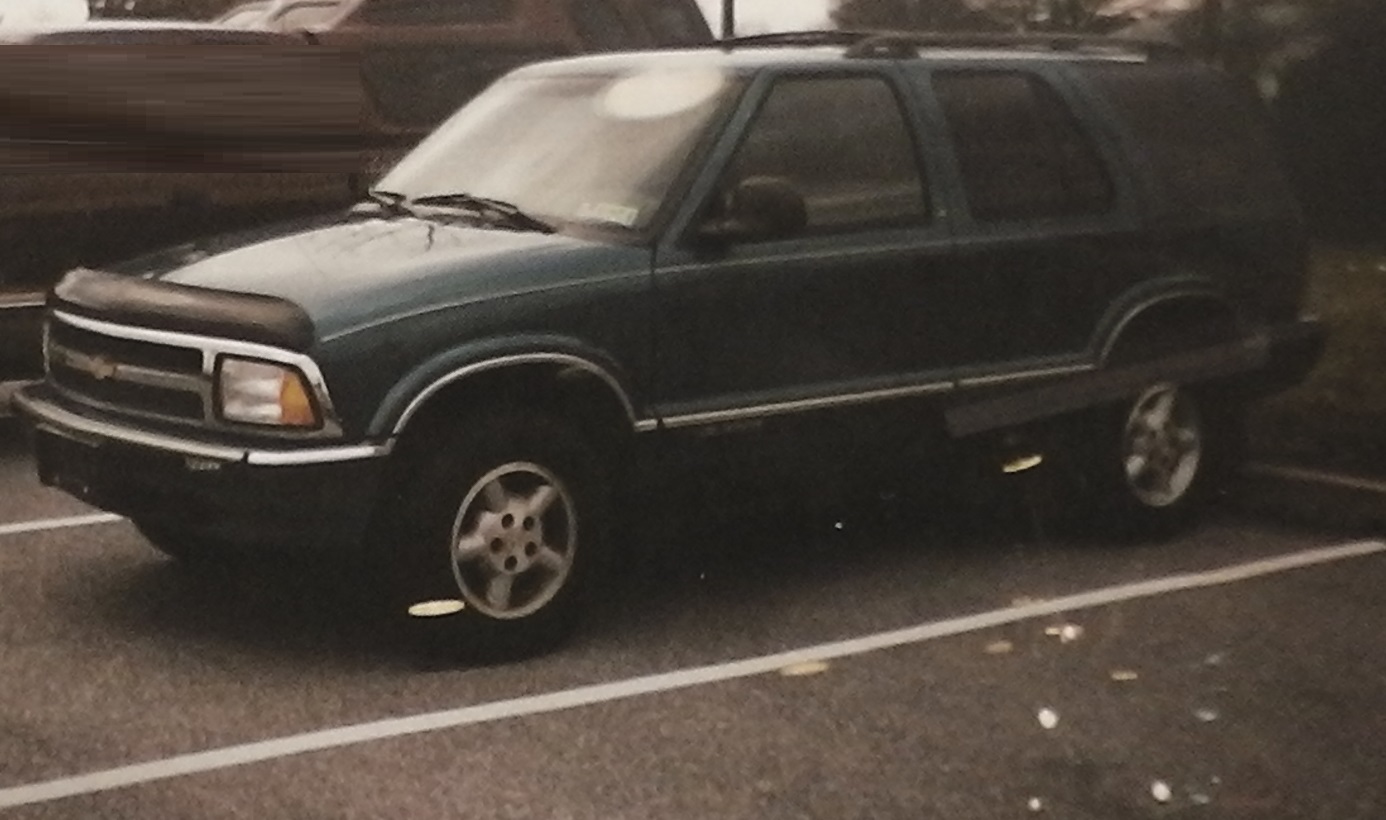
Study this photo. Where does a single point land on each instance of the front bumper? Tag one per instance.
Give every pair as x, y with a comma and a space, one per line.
309, 498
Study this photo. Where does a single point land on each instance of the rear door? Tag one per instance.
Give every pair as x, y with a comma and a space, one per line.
1046, 224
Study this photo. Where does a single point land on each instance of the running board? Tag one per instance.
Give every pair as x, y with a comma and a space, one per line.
1008, 407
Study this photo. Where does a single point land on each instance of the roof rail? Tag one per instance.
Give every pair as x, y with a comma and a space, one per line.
900, 44
816, 37
887, 44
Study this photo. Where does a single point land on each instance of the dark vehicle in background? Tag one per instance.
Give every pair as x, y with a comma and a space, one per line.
422, 59
805, 260
118, 137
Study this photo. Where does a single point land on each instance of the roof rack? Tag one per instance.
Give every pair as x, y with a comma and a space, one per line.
907, 43
885, 44
811, 37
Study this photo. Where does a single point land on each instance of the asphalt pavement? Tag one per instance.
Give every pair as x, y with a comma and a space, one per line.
877, 666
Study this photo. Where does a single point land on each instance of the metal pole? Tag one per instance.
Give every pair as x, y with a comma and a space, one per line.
728, 19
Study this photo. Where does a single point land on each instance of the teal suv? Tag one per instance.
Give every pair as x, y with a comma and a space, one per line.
783, 256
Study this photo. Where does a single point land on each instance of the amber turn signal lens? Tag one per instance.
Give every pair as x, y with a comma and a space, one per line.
295, 406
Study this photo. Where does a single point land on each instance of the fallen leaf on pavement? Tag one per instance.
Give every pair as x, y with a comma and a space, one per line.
1161, 791
799, 670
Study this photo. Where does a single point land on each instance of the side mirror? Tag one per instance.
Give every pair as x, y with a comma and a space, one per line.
759, 208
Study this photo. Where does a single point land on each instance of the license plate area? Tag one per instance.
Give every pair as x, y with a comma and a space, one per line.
70, 464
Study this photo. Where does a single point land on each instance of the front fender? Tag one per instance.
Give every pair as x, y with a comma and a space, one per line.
454, 365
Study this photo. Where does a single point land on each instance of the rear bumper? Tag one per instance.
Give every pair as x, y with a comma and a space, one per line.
307, 498
1294, 349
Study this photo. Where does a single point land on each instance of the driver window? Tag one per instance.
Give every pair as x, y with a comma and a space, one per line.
843, 145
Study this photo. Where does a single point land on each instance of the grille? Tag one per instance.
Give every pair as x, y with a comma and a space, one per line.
126, 351
145, 378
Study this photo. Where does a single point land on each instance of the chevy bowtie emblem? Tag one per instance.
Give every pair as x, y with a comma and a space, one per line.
100, 367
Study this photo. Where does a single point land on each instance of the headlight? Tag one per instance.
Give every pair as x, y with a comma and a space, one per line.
256, 392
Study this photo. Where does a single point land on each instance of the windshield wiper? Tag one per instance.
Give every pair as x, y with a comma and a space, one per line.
391, 202
494, 209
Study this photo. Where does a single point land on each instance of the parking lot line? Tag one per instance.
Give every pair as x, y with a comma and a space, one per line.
42, 524
282, 747
1325, 477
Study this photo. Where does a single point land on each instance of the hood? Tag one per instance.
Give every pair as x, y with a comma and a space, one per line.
350, 273
39, 13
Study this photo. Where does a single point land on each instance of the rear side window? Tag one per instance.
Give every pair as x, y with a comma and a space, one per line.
1206, 142
841, 142
440, 12
1021, 151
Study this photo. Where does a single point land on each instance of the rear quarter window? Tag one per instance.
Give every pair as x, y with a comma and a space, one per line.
1206, 142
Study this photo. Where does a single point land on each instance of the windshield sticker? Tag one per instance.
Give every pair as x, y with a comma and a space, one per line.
622, 215
655, 94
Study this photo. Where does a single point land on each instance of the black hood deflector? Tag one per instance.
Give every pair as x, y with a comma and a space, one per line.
159, 305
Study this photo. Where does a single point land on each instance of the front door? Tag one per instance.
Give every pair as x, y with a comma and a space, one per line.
852, 309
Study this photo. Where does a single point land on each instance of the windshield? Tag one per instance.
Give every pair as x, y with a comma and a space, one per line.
578, 149
245, 16
307, 15
19, 14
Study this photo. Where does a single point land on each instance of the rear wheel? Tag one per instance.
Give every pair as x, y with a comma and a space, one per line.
1162, 447
1160, 456
497, 534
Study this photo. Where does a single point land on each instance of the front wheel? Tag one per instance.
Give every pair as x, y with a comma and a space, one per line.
497, 535
514, 541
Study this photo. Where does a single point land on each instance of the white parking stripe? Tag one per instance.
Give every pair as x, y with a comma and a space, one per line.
277, 748
57, 523
1316, 477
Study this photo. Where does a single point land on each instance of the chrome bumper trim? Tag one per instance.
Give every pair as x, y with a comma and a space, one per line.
49, 416
22, 304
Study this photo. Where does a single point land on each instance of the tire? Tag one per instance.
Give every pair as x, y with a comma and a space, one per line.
497, 535
1160, 457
